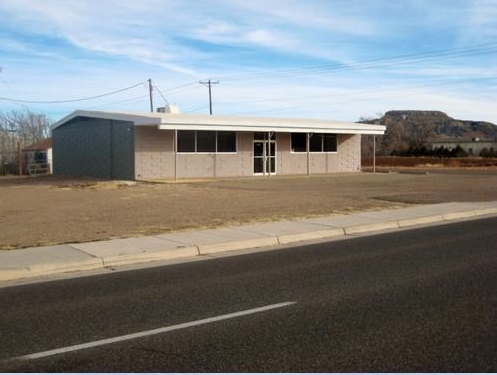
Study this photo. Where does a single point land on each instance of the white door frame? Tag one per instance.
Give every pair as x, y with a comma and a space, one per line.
267, 154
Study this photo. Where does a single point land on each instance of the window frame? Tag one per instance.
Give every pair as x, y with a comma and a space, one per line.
330, 135
178, 142
293, 149
216, 140
321, 142
235, 134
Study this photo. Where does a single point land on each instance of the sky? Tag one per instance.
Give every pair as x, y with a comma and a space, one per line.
326, 59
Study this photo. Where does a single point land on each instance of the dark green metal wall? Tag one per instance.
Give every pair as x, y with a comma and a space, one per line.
94, 147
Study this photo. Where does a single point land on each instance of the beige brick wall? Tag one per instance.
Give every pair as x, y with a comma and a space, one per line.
350, 153
221, 164
346, 159
154, 157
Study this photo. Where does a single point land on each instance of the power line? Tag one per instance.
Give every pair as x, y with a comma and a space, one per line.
130, 100
362, 92
371, 63
161, 94
293, 98
178, 88
195, 109
72, 100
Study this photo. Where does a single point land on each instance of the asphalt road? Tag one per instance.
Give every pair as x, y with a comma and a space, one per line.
422, 300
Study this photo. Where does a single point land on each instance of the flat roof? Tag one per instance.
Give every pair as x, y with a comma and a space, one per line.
169, 121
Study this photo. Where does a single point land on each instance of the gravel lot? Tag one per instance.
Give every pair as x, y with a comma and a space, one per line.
49, 210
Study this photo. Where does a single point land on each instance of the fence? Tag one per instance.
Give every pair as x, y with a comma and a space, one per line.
414, 161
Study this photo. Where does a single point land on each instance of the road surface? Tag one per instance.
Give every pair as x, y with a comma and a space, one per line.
422, 300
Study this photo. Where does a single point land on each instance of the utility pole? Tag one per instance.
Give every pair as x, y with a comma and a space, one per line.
209, 83
150, 89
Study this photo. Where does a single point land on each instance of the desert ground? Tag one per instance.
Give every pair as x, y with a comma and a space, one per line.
47, 210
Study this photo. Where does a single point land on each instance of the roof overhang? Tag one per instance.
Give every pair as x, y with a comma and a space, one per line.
167, 121
138, 119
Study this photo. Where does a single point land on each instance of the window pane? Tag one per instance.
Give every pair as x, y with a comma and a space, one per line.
206, 141
264, 136
259, 136
226, 141
316, 143
272, 149
258, 165
299, 141
258, 148
330, 142
272, 163
186, 141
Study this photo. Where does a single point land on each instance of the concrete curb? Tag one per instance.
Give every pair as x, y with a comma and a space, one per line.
307, 236
237, 245
50, 269
365, 228
99, 255
145, 257
487, 211
420, 221
459, 215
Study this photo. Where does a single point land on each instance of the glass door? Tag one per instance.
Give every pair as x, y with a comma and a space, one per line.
264, 153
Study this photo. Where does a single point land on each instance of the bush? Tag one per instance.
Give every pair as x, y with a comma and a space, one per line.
458, 152
488, 153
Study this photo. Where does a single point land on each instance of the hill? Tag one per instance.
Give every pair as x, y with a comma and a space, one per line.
414, 129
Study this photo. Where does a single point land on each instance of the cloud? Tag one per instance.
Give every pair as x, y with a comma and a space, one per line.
87, 25
335, 17
51, 47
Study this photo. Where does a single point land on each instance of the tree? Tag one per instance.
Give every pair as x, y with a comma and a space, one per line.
458, 152
488, 153
420, 133
19, 128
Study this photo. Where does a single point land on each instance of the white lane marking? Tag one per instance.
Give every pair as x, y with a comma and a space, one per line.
157, 331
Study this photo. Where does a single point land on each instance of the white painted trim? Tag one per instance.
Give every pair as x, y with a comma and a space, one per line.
168, 121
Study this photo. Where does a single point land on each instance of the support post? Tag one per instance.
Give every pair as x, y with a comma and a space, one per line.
374, 153
307, 147
269, 153
215, 159
175, 147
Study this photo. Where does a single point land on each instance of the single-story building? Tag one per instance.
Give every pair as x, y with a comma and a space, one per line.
37, 157
472, 146
119, 145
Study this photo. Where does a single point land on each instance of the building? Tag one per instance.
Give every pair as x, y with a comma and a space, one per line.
473, 147
37, 157
117, 145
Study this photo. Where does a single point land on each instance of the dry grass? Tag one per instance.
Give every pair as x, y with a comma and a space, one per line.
52, 210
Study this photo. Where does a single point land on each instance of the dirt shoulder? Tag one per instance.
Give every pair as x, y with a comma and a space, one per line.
52, 210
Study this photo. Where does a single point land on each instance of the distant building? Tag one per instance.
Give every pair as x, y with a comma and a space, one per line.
169, 145
473, 147
37, 157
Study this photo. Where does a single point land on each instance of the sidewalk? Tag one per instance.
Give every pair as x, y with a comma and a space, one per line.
49, 260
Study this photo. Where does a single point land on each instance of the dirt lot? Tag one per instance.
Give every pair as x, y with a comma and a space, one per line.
52, 210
